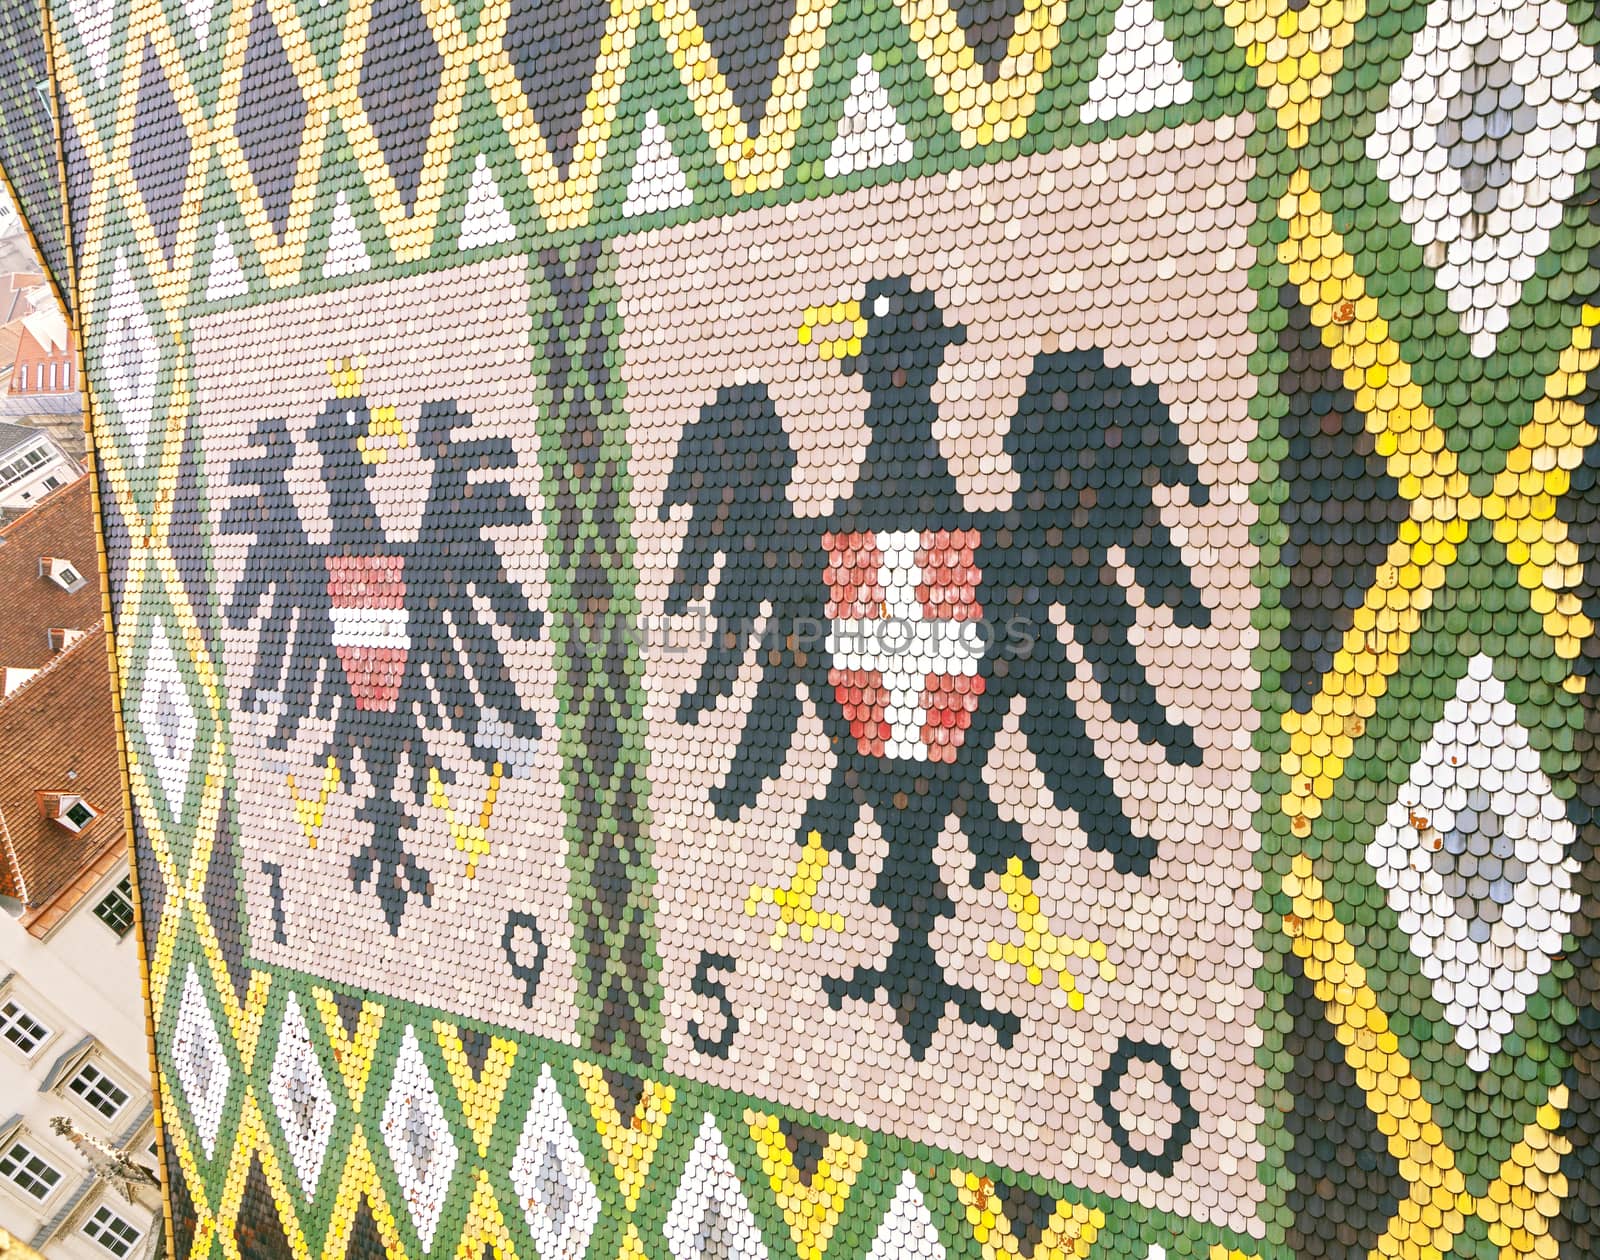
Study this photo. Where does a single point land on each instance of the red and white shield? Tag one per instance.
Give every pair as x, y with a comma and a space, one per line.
368, 595
906, 640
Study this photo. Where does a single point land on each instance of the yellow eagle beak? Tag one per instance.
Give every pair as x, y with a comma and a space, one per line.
845, 327
384, 427
385, 431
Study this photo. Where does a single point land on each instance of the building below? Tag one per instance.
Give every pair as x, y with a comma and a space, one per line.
72, 1033
39, 384
32, 464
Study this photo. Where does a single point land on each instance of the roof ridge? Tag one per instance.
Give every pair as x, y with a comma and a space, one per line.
9, 855
52, 664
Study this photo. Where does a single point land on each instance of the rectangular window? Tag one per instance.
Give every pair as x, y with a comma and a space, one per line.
52, 376
21, 1029
99, 1091
29, 1172
116, 908
112, 1232
23, 381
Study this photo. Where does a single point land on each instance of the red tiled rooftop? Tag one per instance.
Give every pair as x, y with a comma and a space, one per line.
30, 606
39, 858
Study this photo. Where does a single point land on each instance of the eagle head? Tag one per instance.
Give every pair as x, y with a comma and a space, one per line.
905, 338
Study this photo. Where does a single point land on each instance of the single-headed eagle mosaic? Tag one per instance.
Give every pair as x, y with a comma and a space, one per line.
936, 619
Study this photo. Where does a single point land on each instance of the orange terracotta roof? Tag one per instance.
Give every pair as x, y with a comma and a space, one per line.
62, 526
40, 921
71, 695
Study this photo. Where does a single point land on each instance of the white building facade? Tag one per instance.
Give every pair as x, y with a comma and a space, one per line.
73, 1045
31, 466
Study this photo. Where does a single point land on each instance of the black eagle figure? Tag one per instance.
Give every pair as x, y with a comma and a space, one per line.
384, 638
913, 625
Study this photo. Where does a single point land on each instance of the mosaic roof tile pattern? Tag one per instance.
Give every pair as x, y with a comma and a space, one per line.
855, 628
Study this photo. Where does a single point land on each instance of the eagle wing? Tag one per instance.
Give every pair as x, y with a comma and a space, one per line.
283, 582
1090, 447
732, 471
452, 565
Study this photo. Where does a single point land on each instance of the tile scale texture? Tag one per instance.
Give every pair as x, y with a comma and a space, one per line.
854, 628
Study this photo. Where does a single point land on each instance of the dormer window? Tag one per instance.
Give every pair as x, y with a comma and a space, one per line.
62, 638
62, 572
67, 808
12, 677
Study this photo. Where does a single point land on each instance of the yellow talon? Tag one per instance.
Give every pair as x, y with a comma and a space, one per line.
1040, 951
793, 899
471, 838
309, 812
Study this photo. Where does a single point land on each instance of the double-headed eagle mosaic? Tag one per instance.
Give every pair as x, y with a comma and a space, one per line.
386, 639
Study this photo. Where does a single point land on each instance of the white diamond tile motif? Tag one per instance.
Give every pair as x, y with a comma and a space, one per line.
347, 256
301, 1098
199, 12
907, 1231
552, 1181
1485, 133
93, 20
1474, 855
168, 727
710, 1217
1138, 71
657, 181
201, 1065
417, 1136
226, 278
130, 358
870, 132
486, 221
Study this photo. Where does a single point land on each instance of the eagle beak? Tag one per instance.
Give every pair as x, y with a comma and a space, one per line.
836, 329
385, 432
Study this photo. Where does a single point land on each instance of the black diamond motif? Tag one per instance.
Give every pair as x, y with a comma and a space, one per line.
272, 116
748, 41
806, 1146
399, 84
1029, 1213
1342, 511
475, 1045
260, 1231
1345, 1179
365, 1241
160, 151
988, 25
555, 65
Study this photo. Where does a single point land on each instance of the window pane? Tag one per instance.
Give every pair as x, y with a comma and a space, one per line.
112, 1232
116, 908
29, 1172
21, 1029
98, 1090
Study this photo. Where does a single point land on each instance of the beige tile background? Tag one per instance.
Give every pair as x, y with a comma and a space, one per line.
1135, 246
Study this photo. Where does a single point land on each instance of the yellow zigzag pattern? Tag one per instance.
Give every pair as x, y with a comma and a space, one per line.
630, 1144
980, 111
353, 1054
1069, 1234
1521, 502
482, 1095
811, 1207
1528, 1191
